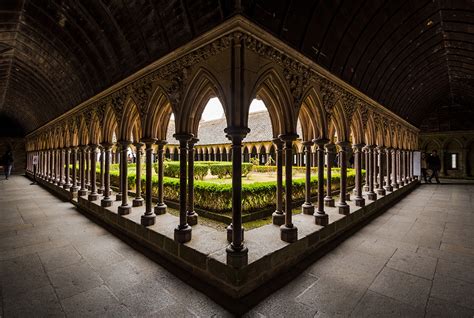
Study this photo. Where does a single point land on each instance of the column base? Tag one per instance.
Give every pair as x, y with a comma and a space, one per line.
395, 186
348, 196
366, 189
321, 218
328, 201
82, 192
307, 208
229, 230
388, 188
237, 258
147, 219
137, 202
160, 209
74, 189
360, 202
100, 191
93, 197
381, 191
124, 209
182, 234
288, 234
66, 186
344, 208
192, 218
401, 183
118, 197
278, 218
106, 202
372, 196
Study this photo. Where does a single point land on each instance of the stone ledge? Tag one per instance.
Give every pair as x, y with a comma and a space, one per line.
204, 256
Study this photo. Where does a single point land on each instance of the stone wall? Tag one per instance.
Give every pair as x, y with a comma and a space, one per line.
19, 152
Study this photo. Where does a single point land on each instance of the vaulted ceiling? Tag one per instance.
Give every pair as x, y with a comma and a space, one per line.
411, 56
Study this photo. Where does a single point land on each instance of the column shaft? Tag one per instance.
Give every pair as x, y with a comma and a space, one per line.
278, 217
138, 200
321, 218
148, 218
124, 208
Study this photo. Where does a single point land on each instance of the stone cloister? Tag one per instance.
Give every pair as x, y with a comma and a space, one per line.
235, 62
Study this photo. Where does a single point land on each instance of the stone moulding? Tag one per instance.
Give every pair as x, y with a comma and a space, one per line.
204, 257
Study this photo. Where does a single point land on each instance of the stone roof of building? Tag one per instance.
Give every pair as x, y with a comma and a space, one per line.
211, 132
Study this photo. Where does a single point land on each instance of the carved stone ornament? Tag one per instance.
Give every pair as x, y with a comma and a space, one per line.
329, 99
364, 112
297, 82
141, 91
348, 104
174, 86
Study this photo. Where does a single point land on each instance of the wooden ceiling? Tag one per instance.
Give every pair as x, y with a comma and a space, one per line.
411, 56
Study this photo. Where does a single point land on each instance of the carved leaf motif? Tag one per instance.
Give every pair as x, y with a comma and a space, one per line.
141, 93
348, 103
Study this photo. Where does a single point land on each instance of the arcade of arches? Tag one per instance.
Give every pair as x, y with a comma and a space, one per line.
136, 114
154, 115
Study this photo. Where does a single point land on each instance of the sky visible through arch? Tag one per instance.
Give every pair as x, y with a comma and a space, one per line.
214, 110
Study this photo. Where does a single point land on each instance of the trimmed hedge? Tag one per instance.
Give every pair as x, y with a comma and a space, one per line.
217, 197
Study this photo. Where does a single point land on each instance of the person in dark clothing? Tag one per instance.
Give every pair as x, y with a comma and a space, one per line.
434, 164
424, 167
7, 161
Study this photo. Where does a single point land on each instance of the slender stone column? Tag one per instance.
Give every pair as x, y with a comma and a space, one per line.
342, 204
307, 207
237, 252
320, 217
330, 151
117, 158
288, 231
51, 166
61, 167
148, 218
88, 170
107, 200
191, 215
371, 195
401, 169
100, 190
59, 153
93, 196
359, 199
67, 181
388, 156
278, 217
183, 232
55, 166
380, 152
138, 200
407, 166
124, 208
160, 207
74, 187
366, 167
82, 191
394, 169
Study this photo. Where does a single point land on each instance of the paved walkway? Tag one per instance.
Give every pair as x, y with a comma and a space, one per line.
415, 260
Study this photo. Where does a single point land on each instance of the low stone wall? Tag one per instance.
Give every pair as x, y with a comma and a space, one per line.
204, 256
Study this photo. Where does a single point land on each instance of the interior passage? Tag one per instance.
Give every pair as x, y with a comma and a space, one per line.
415, 260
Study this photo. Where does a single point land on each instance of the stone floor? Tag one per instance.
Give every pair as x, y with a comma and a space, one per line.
416, 260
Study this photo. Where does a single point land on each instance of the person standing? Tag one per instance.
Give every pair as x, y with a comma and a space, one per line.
424, 167
434, 164
7, 161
